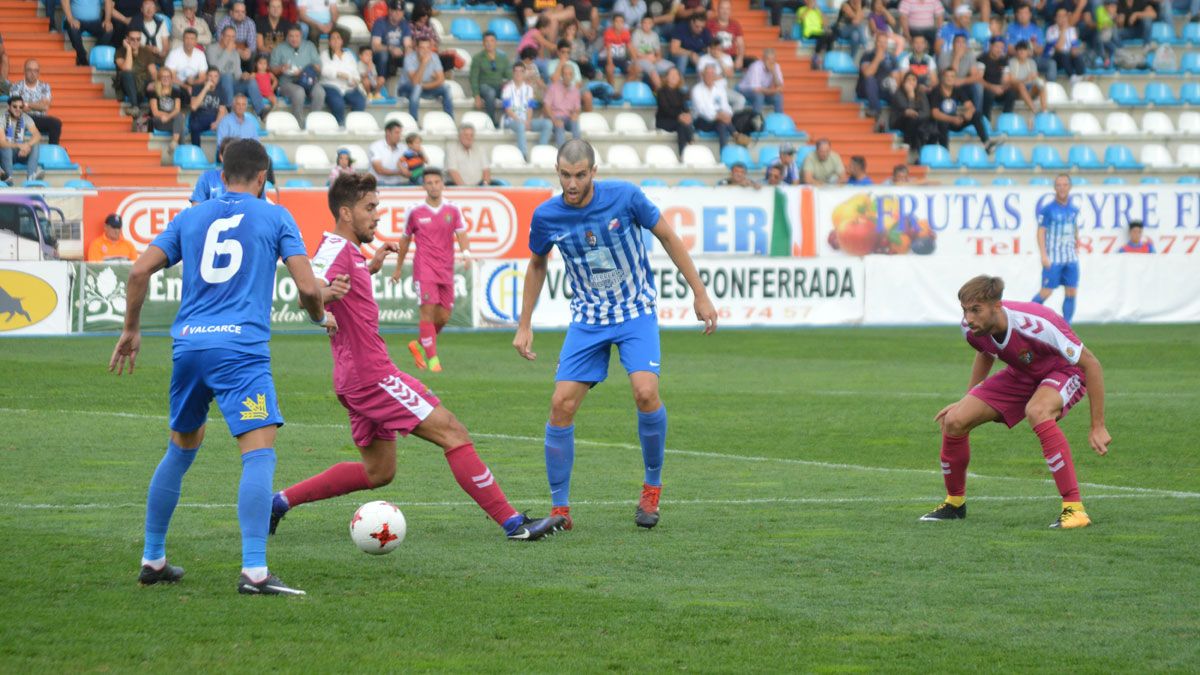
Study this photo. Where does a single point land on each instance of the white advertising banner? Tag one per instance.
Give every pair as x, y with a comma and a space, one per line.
999, 222
35, 298
721, 221
1119, 288
745, 291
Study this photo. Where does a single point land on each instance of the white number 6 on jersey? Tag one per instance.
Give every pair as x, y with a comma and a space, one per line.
214, 248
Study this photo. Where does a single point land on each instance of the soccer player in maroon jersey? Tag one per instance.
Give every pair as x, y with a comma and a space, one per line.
381, 400
433, 225
1047, 370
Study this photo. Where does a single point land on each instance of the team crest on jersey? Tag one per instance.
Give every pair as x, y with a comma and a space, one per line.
591, 238
447, 217
1026, 356
255, 410
613, 224
1070, 352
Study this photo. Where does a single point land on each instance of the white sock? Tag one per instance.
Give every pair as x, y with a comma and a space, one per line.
255, 574
155, 564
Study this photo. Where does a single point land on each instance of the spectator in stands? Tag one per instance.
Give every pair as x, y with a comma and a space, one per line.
1134, 19
423, 77
374, 11
921, 63
812, 27
289, 61
789, 169
710, 107
961, 25
340, 78
858, 171
647, 49
370, 82
319, 15
910, 112
239, 123
823, 166
1099, 30
490, 69
851, 25
737, 177
36, 94
685, 10
587, 17
530, 13
265, 82
20, 141
136, 68
995, 83
1023, 79
414, 158
875, 81
921, 17
111, 245
204, 36
391, 38
270, 31
1169, 8
121, 14
952, 107
581, 52
517, 101
4, 85
1136, 243
615, 56
166, 105
92, 16
778, 7
225, 57
632, 10
689, 43
533, 74
900, 176
187, 62
343, 164
1063, 45
728, 32
247, 33
207, 108
467, 163
156, 36
774, 175
763, 83
723, 63
672, 113
387, 157
563, 105
1025, 30
880, 20
961, 60
422, 28
556, 67
538, 37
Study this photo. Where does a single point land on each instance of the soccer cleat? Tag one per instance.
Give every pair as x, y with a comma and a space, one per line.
418, 354
565, 512
435, 364
269, 586
647, 509
169, 574
945, 511
279, 509
1071, 518
534, 529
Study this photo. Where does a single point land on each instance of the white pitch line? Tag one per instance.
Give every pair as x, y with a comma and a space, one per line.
687, 453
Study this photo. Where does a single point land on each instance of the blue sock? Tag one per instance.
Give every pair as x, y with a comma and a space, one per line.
254, 504
163, 496
560, 457
652, 430
1037, 297
1068, 308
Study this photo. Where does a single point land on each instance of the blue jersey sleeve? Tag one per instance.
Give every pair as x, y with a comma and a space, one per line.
1041, 215
200, 194
539, 235
288, 236
168, 241
644, 211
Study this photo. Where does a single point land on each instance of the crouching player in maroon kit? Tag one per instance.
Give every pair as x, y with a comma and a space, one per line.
1048, 368
381, 400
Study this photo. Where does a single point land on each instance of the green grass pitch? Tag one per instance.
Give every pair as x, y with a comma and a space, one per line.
798, 464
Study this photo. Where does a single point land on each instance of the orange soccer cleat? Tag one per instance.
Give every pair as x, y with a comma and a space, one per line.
418, 354
647, 510
565, 512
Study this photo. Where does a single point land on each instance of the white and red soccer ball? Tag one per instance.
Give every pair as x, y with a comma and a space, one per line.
378, 527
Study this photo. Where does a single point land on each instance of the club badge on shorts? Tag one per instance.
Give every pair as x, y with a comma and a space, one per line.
591, 238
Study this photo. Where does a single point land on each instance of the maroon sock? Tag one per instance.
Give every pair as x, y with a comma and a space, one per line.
338, 479
477, 480
437, 328
1058, 457
956, 454
428, 338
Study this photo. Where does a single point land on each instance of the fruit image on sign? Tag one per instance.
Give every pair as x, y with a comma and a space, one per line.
864, 224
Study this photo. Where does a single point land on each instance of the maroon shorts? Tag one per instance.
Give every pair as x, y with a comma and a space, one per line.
434, 293
397, 403
1009, 393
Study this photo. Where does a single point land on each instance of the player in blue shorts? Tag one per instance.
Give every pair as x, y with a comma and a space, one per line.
1058, 241
229, 248
598, 228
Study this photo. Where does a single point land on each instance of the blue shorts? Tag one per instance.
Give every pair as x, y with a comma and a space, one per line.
1061, 274
240, 382
584, 356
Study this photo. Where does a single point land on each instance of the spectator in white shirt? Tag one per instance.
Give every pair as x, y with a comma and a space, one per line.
319, 16
387, 156
188, 63
716, 57
517, 97
710, 106
339, 78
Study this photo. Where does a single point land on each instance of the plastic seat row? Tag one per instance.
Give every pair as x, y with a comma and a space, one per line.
1122, 124
618, 156
974, 156
1047, 182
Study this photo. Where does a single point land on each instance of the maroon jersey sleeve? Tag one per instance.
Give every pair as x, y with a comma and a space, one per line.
329, 261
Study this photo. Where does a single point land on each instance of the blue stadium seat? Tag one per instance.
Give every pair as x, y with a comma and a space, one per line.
1120, 157
505, 29
1159, 93
103, 58
53, 157
638, 94
840, 63
1049, 124
1191, 61
780, 124
1189, 180
1083, 157
654, 182
692, 182
1190, 91
466, 30
297, 183
1003, 181
1161, 32
1191, 33
966, 181
1011, 124
1011, 157
34, 183
1080, 180
1151, 180
1114, 180
1041, 181
536, 183
79, 184
936, 157
981, 33
279, 158
500, 182
973, 156
767, 155
733, 153
1047, 157
191, 157
1123, 93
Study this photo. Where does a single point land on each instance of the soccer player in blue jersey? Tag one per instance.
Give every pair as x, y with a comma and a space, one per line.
598, 228
1058, 241
229, 248
210, 185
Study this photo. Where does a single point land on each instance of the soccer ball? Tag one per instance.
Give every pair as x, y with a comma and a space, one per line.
377, 527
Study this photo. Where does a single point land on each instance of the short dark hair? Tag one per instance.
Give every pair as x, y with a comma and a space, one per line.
192, 32
423, 38
348, 189
16, 98
575, 150
225, 144
488, 34
1023, 44
563, 44
1135, 224
392, 124
433, 171
738, 165
528, 53
414, 136
859, 160
899, 169
243, 159
213, 69
364, 48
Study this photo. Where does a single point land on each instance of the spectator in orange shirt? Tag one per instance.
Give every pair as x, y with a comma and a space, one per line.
111, 245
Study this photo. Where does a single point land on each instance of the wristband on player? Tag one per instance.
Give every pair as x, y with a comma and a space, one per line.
466, 254
318, 322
